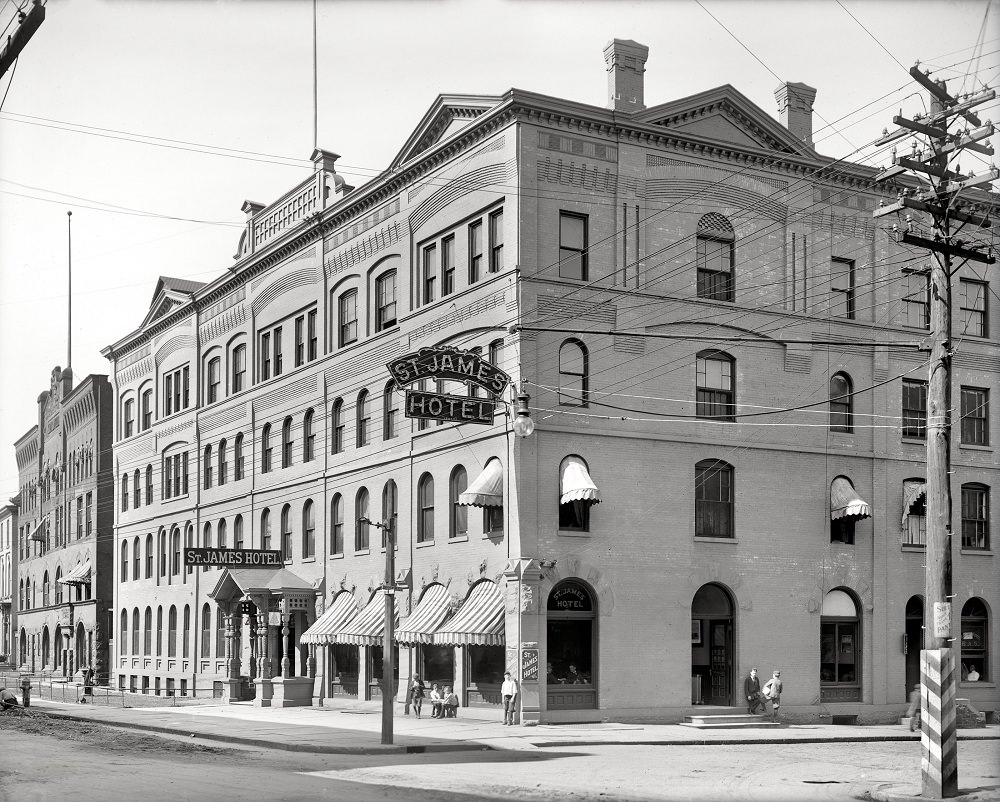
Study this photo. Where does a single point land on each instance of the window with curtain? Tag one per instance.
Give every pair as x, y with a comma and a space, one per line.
186, 639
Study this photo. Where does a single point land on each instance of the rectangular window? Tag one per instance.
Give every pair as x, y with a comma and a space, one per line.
311, 332
239, 367
842, 280
915, 533
348, 318
277, 350
572, 246
493, 520
129, 418
265, 356
714, 392
917, 301
430, 273
496, 241
214, 379
475, 251
713, 501
975, 517
300, 341
975, 416
147, 409
715, 269
447, 266
79, 517
385, 300
187, 389
168, 394
914, 408
972, 301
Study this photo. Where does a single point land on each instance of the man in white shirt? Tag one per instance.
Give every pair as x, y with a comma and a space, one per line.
509, 693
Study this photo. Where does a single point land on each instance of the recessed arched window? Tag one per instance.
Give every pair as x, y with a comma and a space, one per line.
186, 637
716, 258
265, 449
163, 552
363, 419
385, 301
308, 529
238, 532
213, 380
149, 556
573, 374
975, 641
128, 417
286, 532
425, 508
715, 390
59, 586
175, 552
135, 631
308, 437
390, 502
223, 534
125, 492
238, 371
223, 461
123, 633
159, 631
147, 633
713, 499
124, 569
172, 632
390, 412
347, 308
458, 518
136, 489
147, 409
841, 403
361, 527
189, 542
337, 426
45, 589
286, 442
337, 524
149, 484
265, 530
136, 559
840, 649
206, 631
238, 457
207, 467
220, 632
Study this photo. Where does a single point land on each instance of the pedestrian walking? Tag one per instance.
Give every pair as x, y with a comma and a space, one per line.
417, 694
913, 711
508, 691
751, 690
772, 691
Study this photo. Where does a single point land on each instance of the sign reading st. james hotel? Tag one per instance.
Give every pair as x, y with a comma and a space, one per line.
445, 363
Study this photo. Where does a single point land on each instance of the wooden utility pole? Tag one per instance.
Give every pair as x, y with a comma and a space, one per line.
942, 203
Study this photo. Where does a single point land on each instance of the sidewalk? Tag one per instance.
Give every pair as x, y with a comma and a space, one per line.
355, 728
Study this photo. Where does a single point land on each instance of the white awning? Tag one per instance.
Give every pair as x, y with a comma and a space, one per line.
575, 483
845, 501
913, 491
336, 617
368, 626
479, 622
487, 489
428, 615
78, 576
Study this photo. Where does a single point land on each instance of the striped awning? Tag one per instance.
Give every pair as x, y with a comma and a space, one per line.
367, 626
478, 622
487, 489
913, 491
336, 617
429, 614
78, 576
845, 501
575, 483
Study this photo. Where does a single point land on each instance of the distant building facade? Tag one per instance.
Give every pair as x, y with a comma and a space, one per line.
8, 580
64, 530
727, 463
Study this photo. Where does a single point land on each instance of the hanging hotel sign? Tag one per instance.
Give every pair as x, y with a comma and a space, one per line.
446, 363
233, 558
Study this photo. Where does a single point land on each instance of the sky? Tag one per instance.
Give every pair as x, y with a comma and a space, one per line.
152, 121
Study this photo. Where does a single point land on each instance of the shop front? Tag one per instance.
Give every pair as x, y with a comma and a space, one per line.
434, 664
477, 630
358, 651
339, 661
571, 647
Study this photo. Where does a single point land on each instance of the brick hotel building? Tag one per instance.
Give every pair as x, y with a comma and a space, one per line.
727, 463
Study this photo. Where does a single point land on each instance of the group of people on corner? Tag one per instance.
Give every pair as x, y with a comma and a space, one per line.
444, 700
757, 697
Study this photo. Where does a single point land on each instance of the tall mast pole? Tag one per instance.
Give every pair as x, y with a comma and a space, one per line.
69, 290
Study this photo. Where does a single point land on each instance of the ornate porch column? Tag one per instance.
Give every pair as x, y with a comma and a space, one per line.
286, 664
523, 631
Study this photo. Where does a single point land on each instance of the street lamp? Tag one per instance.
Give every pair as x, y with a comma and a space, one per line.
523, 424
388, 633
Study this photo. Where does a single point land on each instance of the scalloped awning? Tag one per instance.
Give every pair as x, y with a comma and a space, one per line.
845, 501
575, 483
336, 617
487, 489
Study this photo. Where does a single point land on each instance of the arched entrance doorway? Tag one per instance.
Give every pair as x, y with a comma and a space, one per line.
913, 641
712, 645
840, 649
46, 653
571, 647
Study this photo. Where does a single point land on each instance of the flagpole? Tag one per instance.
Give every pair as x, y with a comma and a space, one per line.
69, 290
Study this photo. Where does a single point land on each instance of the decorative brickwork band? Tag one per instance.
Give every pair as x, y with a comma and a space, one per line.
939, 745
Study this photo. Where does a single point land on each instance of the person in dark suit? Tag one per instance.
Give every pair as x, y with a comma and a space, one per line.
751, 692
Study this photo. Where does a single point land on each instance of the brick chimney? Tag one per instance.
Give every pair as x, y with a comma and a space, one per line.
795, 109
626, 62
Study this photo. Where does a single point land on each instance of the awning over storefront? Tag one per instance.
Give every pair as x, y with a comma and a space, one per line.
39, 533
487, 489
336, 617
78, 576
845, 501
429, 614
478, 622
575, 483
367, 626
913, 491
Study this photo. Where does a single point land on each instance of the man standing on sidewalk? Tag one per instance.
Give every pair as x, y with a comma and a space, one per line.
509, 693
751, 690
772, 691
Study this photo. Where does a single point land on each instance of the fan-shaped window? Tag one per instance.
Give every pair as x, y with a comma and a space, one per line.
715, 258
841, 403
573, 374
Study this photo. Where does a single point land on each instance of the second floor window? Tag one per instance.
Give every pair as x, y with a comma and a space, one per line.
842, 288
430, 273
841, 403
975, 416
425, 508
914, 408
975, 517
348, 317
337, 525
713, 494
385, 301
572, 246
917, 301
447, 266
363, 419
972, 302
715, 394
214, 379
239, 368
716, 258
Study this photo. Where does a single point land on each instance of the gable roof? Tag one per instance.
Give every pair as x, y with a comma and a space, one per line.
446, 115
724, 114
169, 294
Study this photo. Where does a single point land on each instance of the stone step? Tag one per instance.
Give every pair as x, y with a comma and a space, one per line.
732, 725
726, 718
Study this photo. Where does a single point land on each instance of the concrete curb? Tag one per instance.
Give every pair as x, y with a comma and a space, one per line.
911, 793
855, 739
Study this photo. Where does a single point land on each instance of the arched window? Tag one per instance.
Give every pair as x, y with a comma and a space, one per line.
238, 457
149, 556
841, 403
135, 631
363, 419
975, 517
390, 412
206, 631
45, 589
186, 639
390, 501
123, 633
189, 543
308, 529
207, 467
222, 534
975, 641
159, 631
147, 409
239, 368
337, 524
125, 492
361, 541
286, 442
286, 532
716, 258
308, 437
716, 386
265, 530
149, 484
136, 490
220, 633
347, 308
136, 559
223, 463
175, 552
238, 532
573, 374
713, 499
385, 301
571, 639
265, 448
129, 418
172, 632
124, 569
147, 633
58, 586
214, 379
337, 426
458, 518
425, 508
577, 494
840, 649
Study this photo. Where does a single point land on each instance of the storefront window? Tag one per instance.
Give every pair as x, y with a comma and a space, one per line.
345, 670
485, 667
840, 649
571, 636
975, 667
439, 664
376, 659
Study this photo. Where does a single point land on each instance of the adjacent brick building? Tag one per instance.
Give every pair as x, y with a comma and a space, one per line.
719, 345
